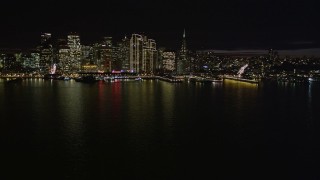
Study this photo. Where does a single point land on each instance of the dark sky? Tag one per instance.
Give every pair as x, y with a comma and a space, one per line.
223, 24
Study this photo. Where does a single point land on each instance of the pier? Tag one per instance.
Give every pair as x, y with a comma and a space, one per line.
253, 81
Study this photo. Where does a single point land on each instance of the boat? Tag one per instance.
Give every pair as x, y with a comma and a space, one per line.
314, 79
138, 79
108, 79
66, 78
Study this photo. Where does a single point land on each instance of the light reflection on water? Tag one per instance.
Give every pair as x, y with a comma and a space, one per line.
104, 129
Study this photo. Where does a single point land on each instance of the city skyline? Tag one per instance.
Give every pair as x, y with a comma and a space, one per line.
209, 25
56, 40
160, 89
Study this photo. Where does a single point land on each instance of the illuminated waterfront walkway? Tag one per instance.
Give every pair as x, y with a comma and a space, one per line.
241, 79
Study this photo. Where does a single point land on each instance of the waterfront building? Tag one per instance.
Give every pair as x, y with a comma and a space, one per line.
106, 54
183, 64
8, 62
74, 51
136, 46
143, 54
35, 60
46, 53
149, 56
168, 60
64, 60
124, 53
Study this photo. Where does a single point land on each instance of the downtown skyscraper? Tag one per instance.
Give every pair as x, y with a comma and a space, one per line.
168, 61
124, 53
143, 54
183, 64
106, 54
63, 56
75, 52
46, 53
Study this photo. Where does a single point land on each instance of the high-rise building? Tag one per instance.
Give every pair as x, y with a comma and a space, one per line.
136, 46
9, 62
106, 54
45, 38
35, 60
124, 54
149, 56
87, 54
88, 64
183, 59
168, 60
96, 55
46, 53
75, 52
116, 58
25, 60
107, 41
159, 64
143, 54
64, 60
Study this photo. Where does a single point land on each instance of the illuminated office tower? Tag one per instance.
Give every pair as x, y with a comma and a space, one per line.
106, 54
149, 56
75, 52
25, 60
46, 53
35, 60
116, 58
19, 57
64, 56
8, 62
86, 55
88, 64
96, 55
168, 60
159, 63
143, 54
183, 59
136, 46
30, 60
45, 38
107, 41
124, 53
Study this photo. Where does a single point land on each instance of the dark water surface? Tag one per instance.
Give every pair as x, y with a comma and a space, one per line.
157, 130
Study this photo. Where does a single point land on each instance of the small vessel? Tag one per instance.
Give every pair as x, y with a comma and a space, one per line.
314, 79
66, 78
138, 79
108, 79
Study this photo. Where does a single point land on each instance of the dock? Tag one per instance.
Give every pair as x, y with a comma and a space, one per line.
253, 81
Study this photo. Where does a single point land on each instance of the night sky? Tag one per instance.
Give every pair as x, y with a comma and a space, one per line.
232, 24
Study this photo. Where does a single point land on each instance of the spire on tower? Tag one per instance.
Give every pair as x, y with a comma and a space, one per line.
184, 44
183, 59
